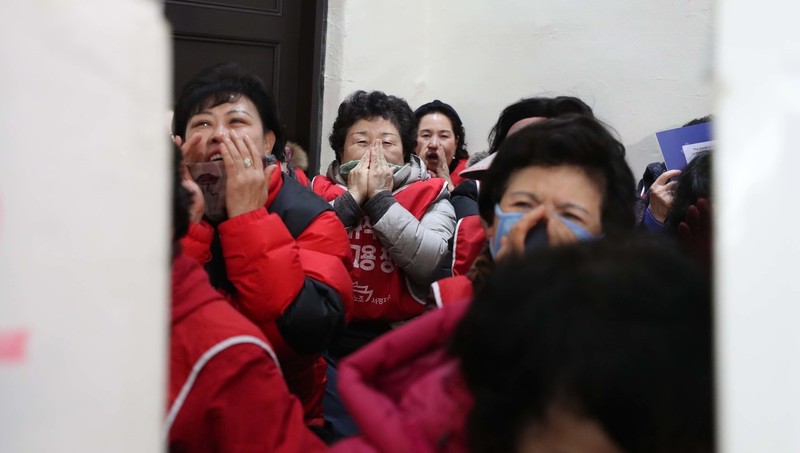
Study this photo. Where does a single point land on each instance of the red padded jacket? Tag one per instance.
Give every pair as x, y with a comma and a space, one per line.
225, 391
289, 269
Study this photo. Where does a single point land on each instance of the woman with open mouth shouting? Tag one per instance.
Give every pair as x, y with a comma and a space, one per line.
440, 141
275, 250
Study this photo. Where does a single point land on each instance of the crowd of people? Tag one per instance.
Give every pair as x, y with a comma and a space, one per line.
417, 297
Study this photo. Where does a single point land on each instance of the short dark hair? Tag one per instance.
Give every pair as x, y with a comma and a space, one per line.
693, 183
593, 329
223, 83
701, 120
447, 110
577, 140
534, 107
368, 106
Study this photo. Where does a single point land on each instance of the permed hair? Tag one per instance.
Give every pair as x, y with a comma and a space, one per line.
223, 83
576, 140
368, 106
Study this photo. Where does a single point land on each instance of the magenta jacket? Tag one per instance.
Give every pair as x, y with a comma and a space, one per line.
404, 392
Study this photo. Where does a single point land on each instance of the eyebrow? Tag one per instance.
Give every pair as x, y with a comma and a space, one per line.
530, 195
365, 133
208, 112
239, 111
573, 206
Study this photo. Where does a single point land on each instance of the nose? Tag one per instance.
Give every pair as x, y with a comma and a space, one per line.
433, 142
219, 133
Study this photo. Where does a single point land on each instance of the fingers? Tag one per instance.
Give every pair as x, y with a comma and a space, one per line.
187, 176
366, 158
704, 212
269, 171
443, 167
190, 149
229, 157
504, 250
382, 162
693, 218
254, 152
558, 233
238, 153
197, 205
516, 237
666, 176
374, 154
238, 150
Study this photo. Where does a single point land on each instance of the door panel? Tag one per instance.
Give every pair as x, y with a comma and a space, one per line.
276, 39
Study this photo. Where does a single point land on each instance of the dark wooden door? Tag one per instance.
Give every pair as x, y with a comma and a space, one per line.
280, 40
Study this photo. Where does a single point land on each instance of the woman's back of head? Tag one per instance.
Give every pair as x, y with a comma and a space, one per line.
611, 332
543, 107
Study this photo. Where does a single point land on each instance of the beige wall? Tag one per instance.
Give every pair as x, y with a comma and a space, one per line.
642, 65
85, 184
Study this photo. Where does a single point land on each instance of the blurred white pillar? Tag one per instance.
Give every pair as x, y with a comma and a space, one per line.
758, 236
84, 225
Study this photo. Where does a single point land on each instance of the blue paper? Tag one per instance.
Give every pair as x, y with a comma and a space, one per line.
676, 144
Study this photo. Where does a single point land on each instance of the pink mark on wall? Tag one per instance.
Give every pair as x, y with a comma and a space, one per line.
14, 346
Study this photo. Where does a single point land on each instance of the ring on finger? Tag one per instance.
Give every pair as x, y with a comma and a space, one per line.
247, 162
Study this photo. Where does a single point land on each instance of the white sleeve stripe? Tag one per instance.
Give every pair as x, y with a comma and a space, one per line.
437, 295
198, 367
455, 244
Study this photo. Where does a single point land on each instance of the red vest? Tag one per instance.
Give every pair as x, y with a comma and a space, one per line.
380, 289
469, 240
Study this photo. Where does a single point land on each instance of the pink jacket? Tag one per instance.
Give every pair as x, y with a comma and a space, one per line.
404, 391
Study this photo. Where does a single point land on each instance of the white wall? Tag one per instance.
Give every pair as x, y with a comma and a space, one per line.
643, 66
85, 173
758, 246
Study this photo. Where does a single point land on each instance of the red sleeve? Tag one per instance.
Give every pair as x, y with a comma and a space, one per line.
263, 263
268, 266
197, 242
326, 256
240, 403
